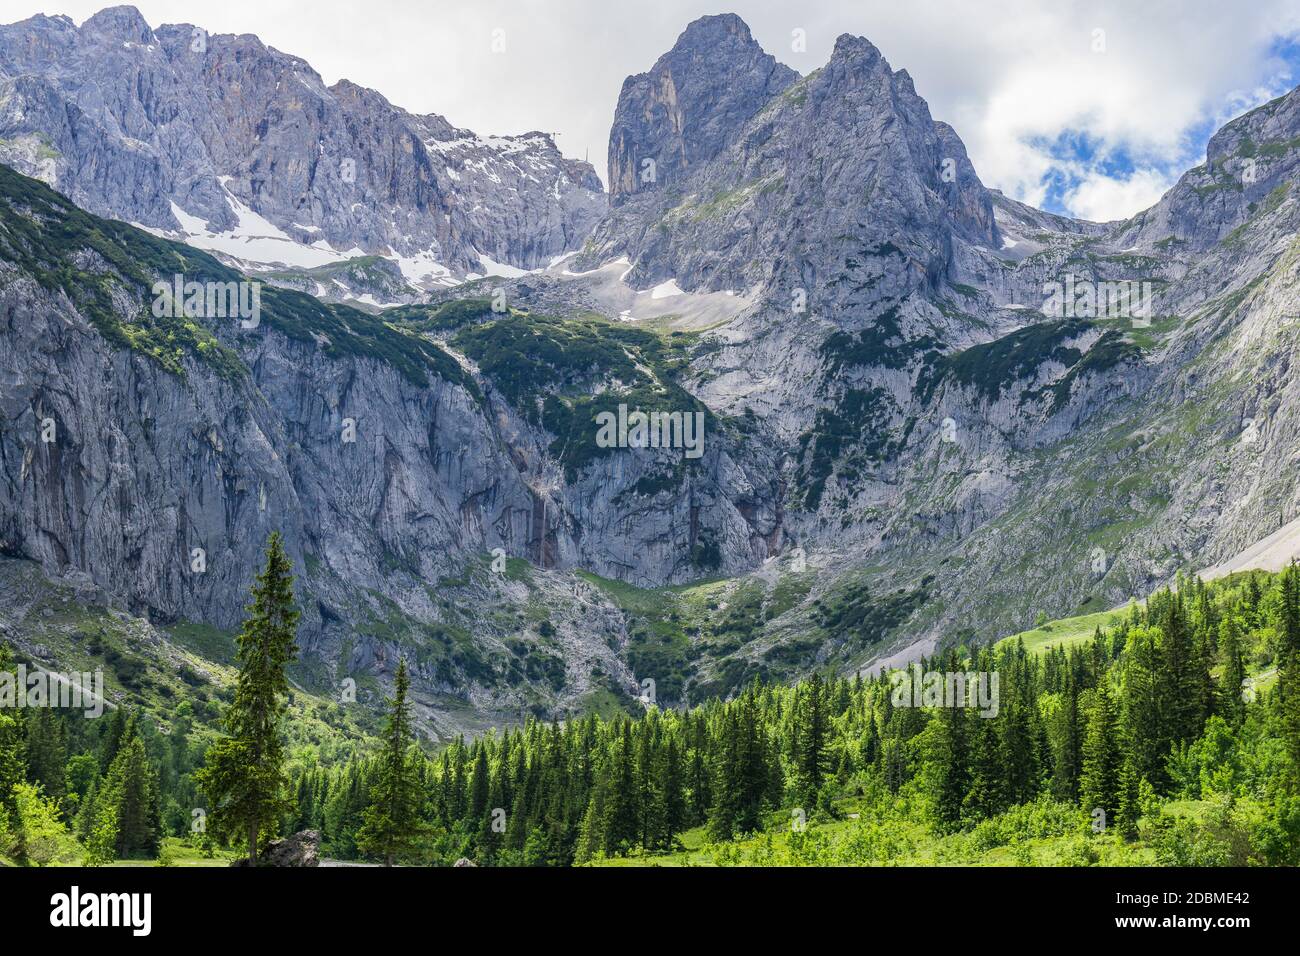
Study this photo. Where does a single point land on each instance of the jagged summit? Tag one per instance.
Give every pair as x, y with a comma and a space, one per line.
713, 27
729, 171
690, 104
123, 22
849, 46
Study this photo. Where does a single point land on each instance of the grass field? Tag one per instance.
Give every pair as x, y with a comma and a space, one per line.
1067, 631
860, 838
177, 852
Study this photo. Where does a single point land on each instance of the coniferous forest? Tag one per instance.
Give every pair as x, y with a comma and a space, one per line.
1171, 737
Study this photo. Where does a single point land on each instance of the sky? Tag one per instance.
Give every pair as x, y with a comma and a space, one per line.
1092, 109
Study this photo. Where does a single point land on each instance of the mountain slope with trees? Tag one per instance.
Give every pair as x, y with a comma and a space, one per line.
1172, 736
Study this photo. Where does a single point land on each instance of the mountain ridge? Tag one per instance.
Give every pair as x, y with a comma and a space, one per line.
904, 447
137, 123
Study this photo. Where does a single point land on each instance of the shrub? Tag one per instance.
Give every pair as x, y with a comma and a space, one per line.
41, 838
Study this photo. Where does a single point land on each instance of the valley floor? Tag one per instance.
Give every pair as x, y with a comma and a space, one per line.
859, 839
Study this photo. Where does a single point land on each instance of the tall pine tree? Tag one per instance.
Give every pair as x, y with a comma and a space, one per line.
392, 826
243, 773
1099, 779
1288, 668
127, 804
1229, 703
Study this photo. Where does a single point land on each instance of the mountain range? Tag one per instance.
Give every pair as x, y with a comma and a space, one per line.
241, 149
922, 427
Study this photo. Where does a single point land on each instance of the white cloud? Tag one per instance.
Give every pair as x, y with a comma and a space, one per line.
1103, 198
1009, 75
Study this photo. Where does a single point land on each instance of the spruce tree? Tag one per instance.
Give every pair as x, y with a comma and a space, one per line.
622, 821
1018, 726
650, 784
985, 795
1253, 597
243, 773
810, 739
391, 825
591, 832
1229, 703
517, 828
952, 769
721, 825
751, 776
47, 756
698, 778
1288, 668
1066, 742
1140, 707
674, 794
127, 805
491, 834
1181, 691
1099, 778
480, 783
457, 798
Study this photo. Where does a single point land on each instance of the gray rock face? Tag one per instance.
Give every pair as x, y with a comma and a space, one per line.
1250, 163
132, 122
690, 105
146, 465
843, 210
892, 396
844, 159
932, 419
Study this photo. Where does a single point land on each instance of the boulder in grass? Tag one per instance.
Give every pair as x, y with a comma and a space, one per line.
301, 849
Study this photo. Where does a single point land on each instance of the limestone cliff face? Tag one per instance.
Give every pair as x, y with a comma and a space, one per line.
154, 456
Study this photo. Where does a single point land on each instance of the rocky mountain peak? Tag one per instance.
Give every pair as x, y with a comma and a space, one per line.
687, 108
704, 148
124, 23
855, 49
708, 30
1249, 167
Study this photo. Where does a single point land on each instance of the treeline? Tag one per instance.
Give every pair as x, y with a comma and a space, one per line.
1156, 708
555, 794
1152, 709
